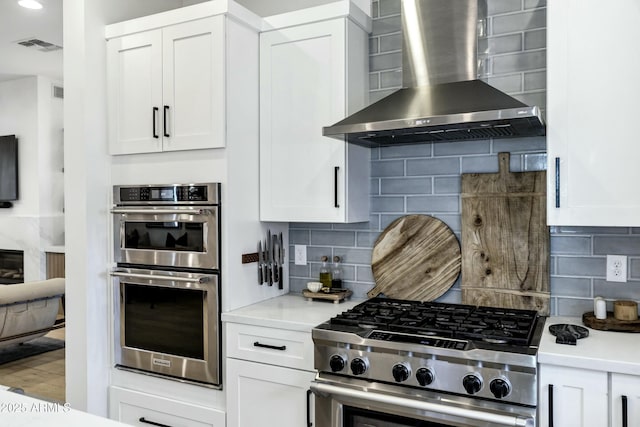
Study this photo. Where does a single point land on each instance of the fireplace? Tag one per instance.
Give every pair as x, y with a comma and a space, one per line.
11, 267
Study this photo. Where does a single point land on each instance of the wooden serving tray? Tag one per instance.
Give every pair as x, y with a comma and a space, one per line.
336, 297
610, 323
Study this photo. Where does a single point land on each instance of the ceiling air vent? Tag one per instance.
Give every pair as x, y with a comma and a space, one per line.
39, 45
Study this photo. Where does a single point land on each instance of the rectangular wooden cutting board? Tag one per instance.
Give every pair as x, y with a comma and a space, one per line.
505, 239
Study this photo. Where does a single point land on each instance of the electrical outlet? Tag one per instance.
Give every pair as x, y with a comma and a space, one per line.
300, 254
616, 268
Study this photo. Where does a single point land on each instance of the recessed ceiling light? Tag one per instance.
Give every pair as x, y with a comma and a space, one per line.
30, 4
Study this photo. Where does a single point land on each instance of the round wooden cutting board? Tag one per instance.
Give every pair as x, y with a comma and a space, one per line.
417, 257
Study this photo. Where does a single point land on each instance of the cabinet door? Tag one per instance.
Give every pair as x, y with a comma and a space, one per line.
259, 395
193, 85
592, 86
134, 75
143, 409
625, 388
579, 397
302, 89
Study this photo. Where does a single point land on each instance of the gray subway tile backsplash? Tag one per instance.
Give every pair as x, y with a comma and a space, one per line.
441, 204
462, 147
616, 245
387, 168
405, 151
389, 7
390, 79
522, 21
423, 167
385, 61
496, 7
535, 39
522, 61
535, 80
504, 44
517, 65
405, 186
390, 42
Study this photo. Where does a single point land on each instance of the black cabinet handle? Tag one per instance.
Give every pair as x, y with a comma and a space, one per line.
153, 423
557, 182
164, 121
309, 422
272, 347
335, 187
625, 421
550, 405
155, 113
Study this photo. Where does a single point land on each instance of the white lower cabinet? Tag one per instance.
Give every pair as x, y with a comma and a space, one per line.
625, 400
572, 397
268, 373
143, 409
260, 395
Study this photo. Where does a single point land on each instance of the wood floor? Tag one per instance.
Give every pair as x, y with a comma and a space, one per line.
39, 376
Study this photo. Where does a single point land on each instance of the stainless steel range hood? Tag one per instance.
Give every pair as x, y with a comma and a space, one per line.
442, 100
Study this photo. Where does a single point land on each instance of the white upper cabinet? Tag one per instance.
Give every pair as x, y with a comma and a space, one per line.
166, 88
312, 75
592, 144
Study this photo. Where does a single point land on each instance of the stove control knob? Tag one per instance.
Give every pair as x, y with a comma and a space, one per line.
472, 383
500, 388
337, 363
401, 372
358, 366
424, 376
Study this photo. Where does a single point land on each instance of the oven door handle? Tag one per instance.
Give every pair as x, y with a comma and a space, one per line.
201, 279
192, 211
487, 417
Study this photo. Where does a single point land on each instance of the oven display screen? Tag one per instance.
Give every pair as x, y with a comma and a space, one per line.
162, 194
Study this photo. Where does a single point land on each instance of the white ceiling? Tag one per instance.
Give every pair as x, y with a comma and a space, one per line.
18, 23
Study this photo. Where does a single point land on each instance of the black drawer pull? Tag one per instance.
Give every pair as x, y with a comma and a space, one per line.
557, 182
335, 187
550, 405
153, 423
272, 347
164, 121
625, 420
309, 422
155, 111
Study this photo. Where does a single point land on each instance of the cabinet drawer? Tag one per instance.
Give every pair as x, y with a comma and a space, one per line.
143, 409
293, 349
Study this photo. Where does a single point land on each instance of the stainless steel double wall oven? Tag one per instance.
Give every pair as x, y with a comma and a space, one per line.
167, 278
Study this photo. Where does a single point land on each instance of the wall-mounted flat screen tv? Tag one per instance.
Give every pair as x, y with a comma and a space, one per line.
8, 169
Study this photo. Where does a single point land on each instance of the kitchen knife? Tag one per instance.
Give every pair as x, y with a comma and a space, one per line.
281, 263
269, 277
260, 262
276, 262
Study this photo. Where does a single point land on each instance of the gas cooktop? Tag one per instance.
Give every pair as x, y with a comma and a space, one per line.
486, 352
460, 322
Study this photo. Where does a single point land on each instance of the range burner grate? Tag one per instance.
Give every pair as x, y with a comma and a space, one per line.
490, 324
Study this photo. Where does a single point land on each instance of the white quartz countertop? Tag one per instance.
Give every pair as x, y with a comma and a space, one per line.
290, 311
17, 410
601, 350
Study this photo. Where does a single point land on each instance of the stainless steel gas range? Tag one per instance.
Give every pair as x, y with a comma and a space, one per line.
392, 363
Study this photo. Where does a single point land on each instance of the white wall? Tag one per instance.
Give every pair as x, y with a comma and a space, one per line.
86, 192
28, 110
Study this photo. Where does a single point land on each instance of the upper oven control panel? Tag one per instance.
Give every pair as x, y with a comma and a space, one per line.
172, 194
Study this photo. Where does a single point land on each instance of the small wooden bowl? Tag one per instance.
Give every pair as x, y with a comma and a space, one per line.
625, 310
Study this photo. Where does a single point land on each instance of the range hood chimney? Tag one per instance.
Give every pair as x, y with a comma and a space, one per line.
441, 99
